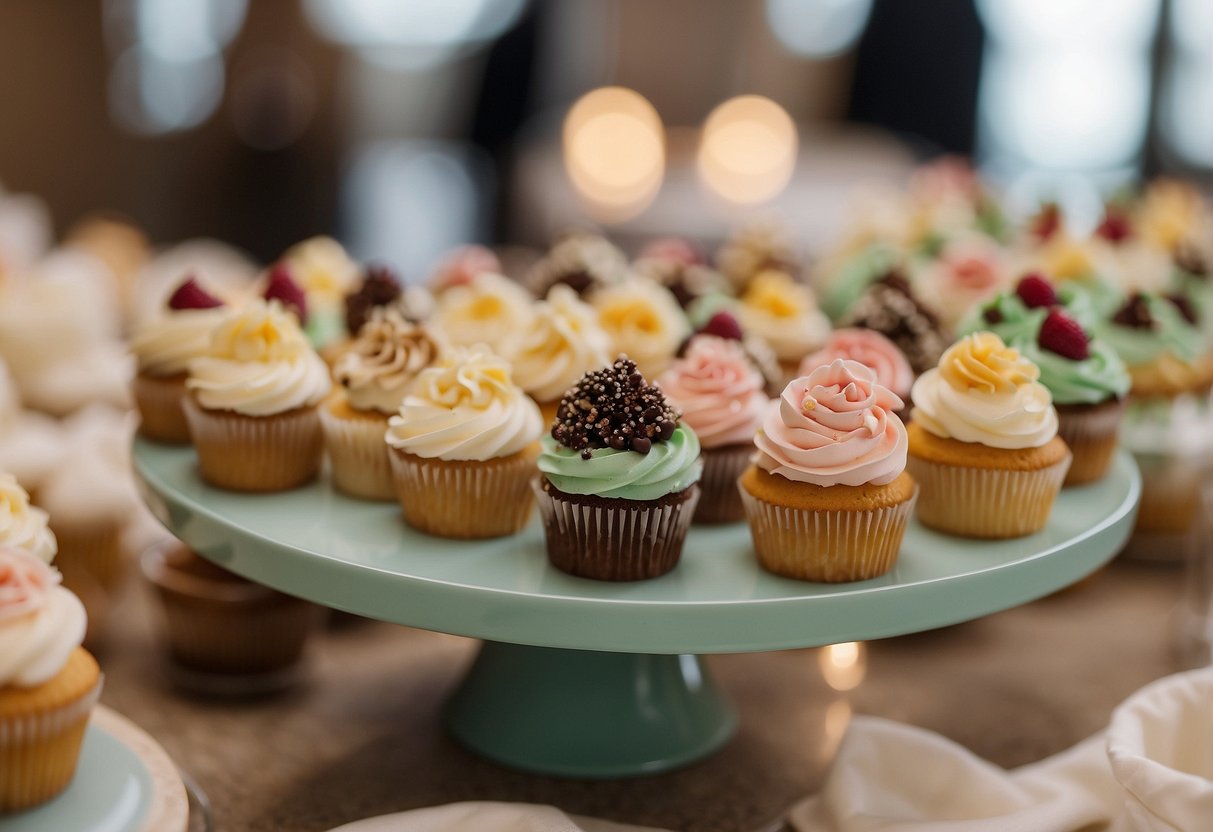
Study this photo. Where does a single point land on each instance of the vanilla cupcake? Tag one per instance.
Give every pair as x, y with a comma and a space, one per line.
784, 313
491, 309
565, 343
163, 348
372, 377
828, 498
253, 402
48, 682
23, 526
463, 448
720, 394
983, 442
326, 274
644, 321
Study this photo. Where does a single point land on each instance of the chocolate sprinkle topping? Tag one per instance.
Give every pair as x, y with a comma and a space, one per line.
992, 315
1189, 259
890, 308
380, 287
1185, 307
614, 408
1135, 314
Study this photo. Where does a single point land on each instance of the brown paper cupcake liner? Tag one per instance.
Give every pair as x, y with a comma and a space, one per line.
828, 546
609, 539
39, 752
1092, 435
358, 456
985, 502
91, 554
256, 453
720, 500
465, 499
159, 402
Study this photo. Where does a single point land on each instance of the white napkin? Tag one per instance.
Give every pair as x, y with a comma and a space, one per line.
487, 817
1152, 773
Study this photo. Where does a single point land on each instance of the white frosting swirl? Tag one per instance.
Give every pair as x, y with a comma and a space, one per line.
565, 343
985, 392
23, 526
783, 313
164, 346
41, 623
260, 363
384, 359
643, 321
466, 407
323, 269
491, 309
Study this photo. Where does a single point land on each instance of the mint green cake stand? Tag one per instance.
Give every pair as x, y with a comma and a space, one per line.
586, 679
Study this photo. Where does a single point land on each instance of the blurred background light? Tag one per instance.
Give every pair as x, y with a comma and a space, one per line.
747, 151
817, 28
614, 152
1187, 89
150, 95
843, 666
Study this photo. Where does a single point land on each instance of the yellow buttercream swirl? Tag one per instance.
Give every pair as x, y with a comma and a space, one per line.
982, 362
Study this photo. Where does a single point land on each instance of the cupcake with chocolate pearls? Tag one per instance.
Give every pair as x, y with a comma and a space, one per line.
620, 478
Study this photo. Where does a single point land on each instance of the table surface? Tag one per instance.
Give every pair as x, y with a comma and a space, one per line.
363, 736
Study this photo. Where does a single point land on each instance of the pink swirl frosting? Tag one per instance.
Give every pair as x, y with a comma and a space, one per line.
718, 391
834, 427
871, 349
24, 583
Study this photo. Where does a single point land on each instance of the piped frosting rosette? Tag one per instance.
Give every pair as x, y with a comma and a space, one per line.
834, 427
23, 526
41, 623
384, 359
644, 321
983, 442
869, 348
564, 343
463, 448
490, 309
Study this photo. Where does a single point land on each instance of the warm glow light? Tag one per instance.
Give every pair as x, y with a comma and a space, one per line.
843, 665
837, 720
614, 152
748, 150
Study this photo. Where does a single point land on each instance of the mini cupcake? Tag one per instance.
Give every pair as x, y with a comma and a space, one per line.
372, 378
253, 402
565, 343
828, 498
460, 266
784, 314
48, 682
720, 394
1017, 315
620, 474
686, 281
491, 309
463, 448
966, 271
724, 324
754, 250
1160, 342
873, 350
890, 307
23, 526
163, 348
644, 321
582, 261
983, 442
326, 274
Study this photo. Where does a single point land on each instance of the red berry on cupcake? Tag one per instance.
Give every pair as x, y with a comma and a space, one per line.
283, 288
723, 325
1036, 292
190, 295
1064, 336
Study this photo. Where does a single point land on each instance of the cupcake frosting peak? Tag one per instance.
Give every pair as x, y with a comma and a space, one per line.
41, 623
384, 359
465, 407
870, 348
614, 408
835, 426
23, 526
719, 391
985, 392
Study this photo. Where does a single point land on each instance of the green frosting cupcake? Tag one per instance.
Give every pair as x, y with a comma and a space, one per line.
856, 274
1006, 316
667, 468
1097, 378
1148, 327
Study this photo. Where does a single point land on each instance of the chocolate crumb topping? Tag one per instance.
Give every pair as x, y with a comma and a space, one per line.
890, 308
1135, 314
380, 287
992, 315
1188, 259
1185, 307
614, 408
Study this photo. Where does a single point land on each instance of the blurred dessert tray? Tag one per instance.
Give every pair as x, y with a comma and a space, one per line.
125, 782
588, 679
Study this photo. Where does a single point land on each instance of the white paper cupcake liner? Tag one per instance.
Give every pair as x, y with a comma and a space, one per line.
256, 453
358, 456
464, 499
986, 502
827, 546
618, 540
1091, 436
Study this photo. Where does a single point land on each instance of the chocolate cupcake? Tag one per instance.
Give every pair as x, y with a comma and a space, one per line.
890, 307
620, 474
583, 262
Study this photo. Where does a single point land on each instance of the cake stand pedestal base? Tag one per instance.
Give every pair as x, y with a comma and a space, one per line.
587, 714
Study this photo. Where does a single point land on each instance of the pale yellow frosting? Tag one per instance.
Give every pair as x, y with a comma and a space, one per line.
491, 309
22, 526
565, 343
321, 266
783, 313
643, 321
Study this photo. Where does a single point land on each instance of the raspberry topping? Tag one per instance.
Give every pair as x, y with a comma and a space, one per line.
1135, 314
1047, 222
1115, 227
1063, 335
283, 288
614, 408
723, 325
190, 295
1036, 292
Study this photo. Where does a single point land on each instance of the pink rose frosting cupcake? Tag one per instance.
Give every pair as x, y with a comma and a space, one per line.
871, 349
720, 394
827, 497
